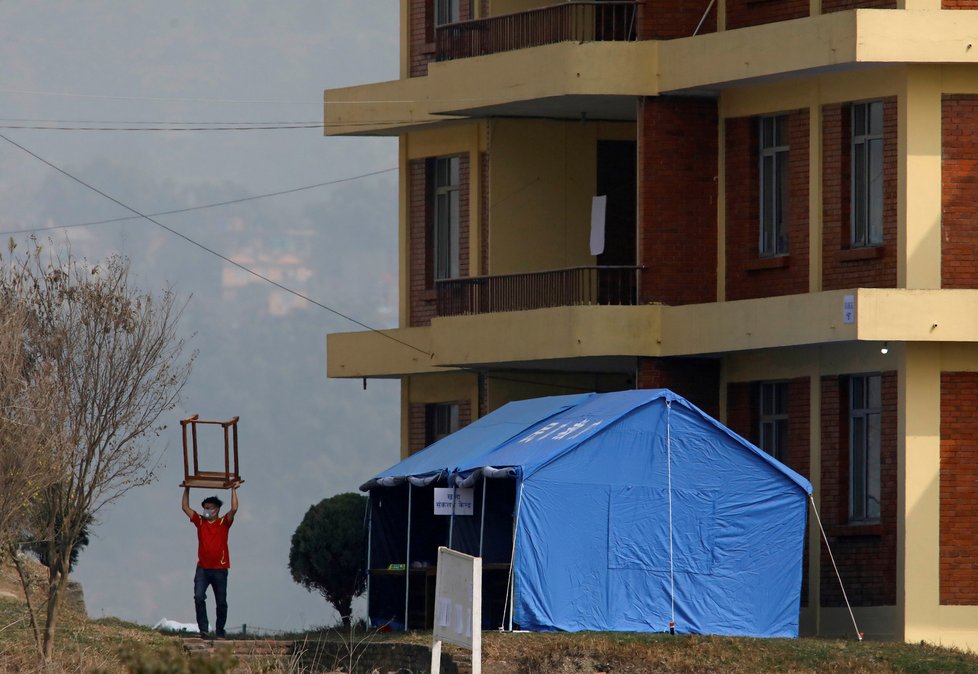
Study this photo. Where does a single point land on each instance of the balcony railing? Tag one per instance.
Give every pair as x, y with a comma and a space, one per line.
538, 290
613, 20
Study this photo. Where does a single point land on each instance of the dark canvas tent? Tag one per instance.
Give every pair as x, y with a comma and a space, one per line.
630, 510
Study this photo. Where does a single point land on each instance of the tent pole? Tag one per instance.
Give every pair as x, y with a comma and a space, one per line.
451, 522
482, 524
672, 581
511, 584
407, 561
370, 531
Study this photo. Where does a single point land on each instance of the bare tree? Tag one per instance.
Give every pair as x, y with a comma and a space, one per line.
31, 451
119, 364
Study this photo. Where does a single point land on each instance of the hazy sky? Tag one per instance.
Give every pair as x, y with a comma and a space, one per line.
127, 63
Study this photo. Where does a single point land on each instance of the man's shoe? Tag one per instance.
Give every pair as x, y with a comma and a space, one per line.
204, 636
220, 635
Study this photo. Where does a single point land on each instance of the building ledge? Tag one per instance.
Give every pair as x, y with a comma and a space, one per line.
544, 337
600, 80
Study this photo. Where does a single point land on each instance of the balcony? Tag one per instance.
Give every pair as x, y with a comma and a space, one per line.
608, 21
575, 286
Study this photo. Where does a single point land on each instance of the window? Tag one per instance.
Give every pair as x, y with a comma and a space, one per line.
867, 174
774, 419
864, 448
773, 134
446, 11
441, 419
445, 218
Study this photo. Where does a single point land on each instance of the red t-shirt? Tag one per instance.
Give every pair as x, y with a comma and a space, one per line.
212, 542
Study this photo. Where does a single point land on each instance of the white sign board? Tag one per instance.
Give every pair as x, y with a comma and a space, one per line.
458, 606
849, 309
464, 501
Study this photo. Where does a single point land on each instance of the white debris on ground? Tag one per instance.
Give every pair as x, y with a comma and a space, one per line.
168, 625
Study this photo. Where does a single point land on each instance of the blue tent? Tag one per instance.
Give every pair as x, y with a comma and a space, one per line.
633, 510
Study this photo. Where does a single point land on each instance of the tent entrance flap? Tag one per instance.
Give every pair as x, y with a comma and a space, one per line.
402, 569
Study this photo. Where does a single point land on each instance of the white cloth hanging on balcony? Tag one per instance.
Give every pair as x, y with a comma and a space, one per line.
598, 207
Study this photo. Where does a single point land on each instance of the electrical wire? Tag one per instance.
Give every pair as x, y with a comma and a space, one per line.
212, 251
159, 128
156, 98
203, 206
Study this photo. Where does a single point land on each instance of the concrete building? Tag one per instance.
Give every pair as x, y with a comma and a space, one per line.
790, 242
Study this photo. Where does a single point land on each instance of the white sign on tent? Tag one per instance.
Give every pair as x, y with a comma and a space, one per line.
464, 499
458, 606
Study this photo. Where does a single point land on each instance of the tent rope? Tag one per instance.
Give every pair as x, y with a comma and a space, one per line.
859, 635
672, 582
512, 564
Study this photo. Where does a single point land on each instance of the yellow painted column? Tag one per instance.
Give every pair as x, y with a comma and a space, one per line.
814, 7
405, 39
918, 492
815, 477
919, 179
721, 15
405, 415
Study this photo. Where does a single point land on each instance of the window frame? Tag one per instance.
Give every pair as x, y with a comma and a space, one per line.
773, 168
446, 217
451, 7
863, 484
866, 195
773, 423
441, 420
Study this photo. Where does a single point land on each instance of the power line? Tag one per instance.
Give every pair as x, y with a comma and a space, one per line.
211, 250
36, 127
35, 120
157, 98
203, 206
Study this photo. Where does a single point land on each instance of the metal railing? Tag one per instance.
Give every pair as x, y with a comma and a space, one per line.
613, 20
574, 286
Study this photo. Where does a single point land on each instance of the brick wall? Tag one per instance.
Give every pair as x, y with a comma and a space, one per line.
829, 6
422, 33
742, 409
843, 267
741, 13
677, 197
696, 379
959, 4
422, 50
865, 554
959, 489
959, 194
417, 430
421, 301
749, 276
668, 19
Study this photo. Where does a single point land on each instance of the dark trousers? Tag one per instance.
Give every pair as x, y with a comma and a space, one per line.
217, 579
